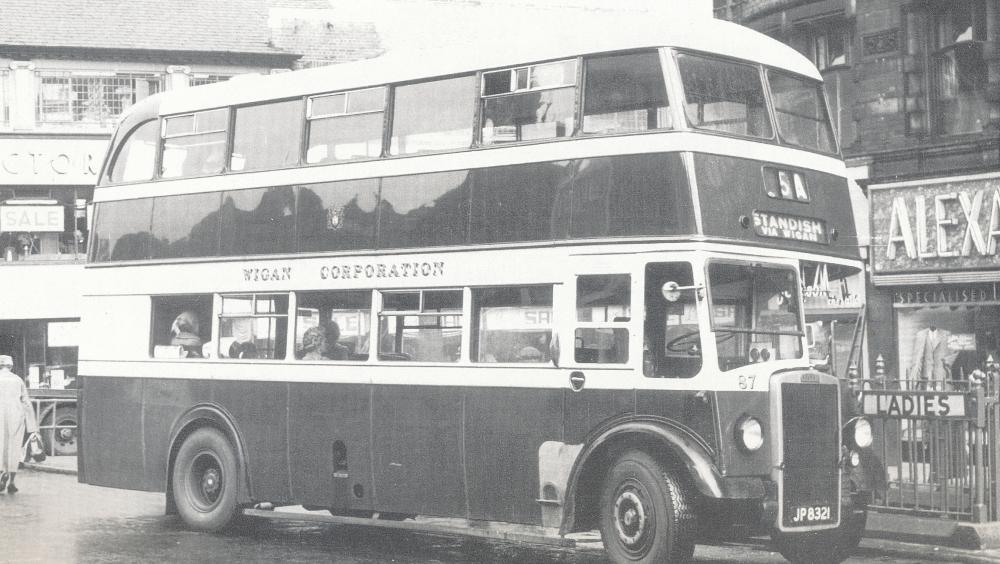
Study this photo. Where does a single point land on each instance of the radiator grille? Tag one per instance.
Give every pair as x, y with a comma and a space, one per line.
810, 440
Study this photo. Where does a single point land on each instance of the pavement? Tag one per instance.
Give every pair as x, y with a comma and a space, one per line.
943, 540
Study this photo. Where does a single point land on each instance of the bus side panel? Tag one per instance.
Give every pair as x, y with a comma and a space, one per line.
684, 407
260, 412
319, 416
504, 429
589, 408
164, 401
417, 438
113, 411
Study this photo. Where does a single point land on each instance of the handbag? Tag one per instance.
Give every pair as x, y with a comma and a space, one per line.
34, 449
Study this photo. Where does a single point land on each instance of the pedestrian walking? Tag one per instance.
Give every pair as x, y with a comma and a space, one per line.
16, 415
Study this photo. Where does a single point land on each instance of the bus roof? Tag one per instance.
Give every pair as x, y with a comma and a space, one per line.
709, 35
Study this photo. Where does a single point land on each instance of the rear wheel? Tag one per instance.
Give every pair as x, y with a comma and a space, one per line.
645, 513
823, 547
60, 432
205, 480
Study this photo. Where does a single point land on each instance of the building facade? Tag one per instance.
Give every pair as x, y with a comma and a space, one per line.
67, 72
914, 89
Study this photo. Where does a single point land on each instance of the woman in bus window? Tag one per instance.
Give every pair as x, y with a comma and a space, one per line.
314, 344
184, 332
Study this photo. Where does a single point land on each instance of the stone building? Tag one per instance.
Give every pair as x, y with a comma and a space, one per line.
914, 89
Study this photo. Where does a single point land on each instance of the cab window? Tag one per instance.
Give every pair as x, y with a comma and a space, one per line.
672, 345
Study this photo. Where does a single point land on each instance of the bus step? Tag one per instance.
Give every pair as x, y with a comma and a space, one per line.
448, 527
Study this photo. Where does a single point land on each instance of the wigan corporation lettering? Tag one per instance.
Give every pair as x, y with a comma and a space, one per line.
382, 270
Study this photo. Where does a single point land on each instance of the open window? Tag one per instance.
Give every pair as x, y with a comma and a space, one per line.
181, 326
530, 102
603, 311
345, 125
672, 346
194, 144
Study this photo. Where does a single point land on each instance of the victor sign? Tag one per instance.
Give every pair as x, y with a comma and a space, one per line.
947, 225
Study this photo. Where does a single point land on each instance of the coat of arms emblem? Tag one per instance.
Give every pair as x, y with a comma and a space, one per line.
335, 217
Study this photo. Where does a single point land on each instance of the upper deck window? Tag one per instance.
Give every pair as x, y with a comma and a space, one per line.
433, 116
724, 96
625, 93
800, 110
136, 160
267, 136
194, 144
345, 126
525, 103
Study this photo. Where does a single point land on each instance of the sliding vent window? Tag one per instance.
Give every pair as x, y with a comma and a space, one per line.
421, 326
194, 144
724, 96
433, 116
136, 159
267, 136
253, 326
527, 103
345, 126
512, 324
625, 93
603, 311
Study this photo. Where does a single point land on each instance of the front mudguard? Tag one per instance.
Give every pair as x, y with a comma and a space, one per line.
869, 475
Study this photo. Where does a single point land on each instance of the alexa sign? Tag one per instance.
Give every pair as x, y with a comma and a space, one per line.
34, 219
952, 225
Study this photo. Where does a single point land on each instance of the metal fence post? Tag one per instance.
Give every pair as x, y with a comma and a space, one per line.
879, 368
979, 512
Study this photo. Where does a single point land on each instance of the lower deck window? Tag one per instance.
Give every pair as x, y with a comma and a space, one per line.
603, 306
333, 326
253, 326
181, 326
512, 324
423, 326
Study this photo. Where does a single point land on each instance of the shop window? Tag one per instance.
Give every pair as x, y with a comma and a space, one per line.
253, 326
267, 136
526, 103
258, 221
203, 79
333, 325
181, 327
958, 77
136, 158
724, 96
940, 345
625, 93
433, 116
672, 336
71, 97
421, 326
345, 126
603, 310
512, 324
194, 144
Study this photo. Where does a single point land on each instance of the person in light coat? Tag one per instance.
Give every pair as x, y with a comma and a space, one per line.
16, 415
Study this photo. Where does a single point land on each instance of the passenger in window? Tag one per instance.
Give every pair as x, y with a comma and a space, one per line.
335, 350
245, 349
184, 332
528, 354
314, 344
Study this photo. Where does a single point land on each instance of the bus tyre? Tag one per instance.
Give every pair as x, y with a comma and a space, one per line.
823, 547
645, 513
205, 480
60, 436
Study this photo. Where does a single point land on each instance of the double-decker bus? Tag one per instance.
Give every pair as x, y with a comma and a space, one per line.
553, 284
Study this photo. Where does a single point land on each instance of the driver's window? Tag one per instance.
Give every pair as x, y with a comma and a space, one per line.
672, 341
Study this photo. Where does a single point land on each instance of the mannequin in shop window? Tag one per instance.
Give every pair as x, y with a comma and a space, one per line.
932, 358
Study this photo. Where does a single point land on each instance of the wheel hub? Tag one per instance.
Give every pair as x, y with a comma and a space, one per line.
211, 483
630, 519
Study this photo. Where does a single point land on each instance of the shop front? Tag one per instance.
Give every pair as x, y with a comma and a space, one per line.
936, 275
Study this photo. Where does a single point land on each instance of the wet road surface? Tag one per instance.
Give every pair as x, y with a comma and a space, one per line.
55, 519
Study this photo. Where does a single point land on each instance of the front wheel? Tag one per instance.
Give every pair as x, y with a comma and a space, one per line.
204, 481
823, 547
645, 513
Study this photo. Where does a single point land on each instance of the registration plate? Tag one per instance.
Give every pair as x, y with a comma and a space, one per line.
811, 514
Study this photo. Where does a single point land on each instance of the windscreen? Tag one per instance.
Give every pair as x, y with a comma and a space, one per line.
800, 110
755, 313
